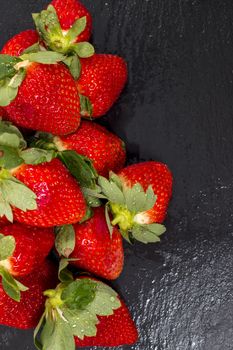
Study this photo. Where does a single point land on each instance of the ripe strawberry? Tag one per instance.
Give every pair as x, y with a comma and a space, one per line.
102, 79
63, 28
68, 12
47, 100
38, 243
26, 314
87, 310
114, 330
20, 42
59, 197
105, 149
95, 250
159, 176
138, 199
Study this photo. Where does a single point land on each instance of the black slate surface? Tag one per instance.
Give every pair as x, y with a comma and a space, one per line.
177, 108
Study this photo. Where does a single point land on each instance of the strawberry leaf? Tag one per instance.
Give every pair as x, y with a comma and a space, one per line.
143, 234
9, 157
157, 229
11, 287
65, 240
33, 48
7, 130
84, 49
74, 65
21, 286
86, 107
79, 294
80, 167
14, 193
105, 302
77, 28
57, 335
18, 78
111, 190
7, 66
64, 274
84, 324
44, 57
7, 93
7, 247
108, 220
37, 156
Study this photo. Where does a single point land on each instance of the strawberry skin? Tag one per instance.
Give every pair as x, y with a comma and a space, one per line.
118, 329
20, 42
95, 250
159, 176
68, 12
47, 100
102, 79
38, 243
106, 150
26, 314
59, 197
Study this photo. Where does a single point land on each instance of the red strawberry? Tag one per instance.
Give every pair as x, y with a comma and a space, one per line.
68, 12
88, 310
20, 42
159, 176
47, 100
26, 314
38, 243
59, 197
138, 199
102, 79
95, 250
104, 148
118, 329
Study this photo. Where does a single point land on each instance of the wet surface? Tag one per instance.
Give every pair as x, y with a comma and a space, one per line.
177, 108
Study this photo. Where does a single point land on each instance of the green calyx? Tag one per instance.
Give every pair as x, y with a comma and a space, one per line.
71, 310
64, 42
13, 71
127, 208
122, 216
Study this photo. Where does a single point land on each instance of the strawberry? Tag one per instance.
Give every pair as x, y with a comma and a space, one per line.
26, 313
102, 79
91, 140
95, 250
87, 310
138, 198
114, 330
17, 261
58, 196
68, 12
20, 42
40, 96
38, 241
63, 27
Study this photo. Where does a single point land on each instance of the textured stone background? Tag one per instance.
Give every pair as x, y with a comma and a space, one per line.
177, 108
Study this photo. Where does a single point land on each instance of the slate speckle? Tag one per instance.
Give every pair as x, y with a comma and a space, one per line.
177, 108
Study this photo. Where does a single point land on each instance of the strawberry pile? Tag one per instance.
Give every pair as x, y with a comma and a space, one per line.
64, 186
